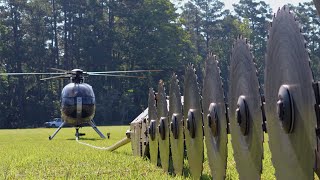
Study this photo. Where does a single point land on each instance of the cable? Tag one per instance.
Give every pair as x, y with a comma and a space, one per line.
120, 143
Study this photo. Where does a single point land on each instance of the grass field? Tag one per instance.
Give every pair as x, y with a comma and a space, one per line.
28, 154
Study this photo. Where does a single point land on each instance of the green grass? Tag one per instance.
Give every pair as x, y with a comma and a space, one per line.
28, 154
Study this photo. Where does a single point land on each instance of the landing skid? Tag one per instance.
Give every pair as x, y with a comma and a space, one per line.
52, 136
96, 129
91, 123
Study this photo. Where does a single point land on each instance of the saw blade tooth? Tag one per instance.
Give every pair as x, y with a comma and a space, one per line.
312, 73
152, 104
174, 79
284, 8
192, 71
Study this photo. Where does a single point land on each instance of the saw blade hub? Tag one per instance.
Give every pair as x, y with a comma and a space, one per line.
213, 119
174, 126
162, 129
152, 129
285, 109
191, 123
242, 114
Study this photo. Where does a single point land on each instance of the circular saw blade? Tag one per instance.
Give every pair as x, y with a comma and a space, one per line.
216, 139
193, 123
153, 122
287, 64
244, 87
163, 131
176, 125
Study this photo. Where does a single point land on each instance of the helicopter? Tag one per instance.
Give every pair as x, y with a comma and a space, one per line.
78, 102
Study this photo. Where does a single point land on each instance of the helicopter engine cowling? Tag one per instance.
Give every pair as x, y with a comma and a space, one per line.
77, 103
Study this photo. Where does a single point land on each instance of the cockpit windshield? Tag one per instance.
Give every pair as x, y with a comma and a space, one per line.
77, 90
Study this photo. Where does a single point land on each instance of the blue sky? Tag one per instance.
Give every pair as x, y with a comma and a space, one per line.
275, 4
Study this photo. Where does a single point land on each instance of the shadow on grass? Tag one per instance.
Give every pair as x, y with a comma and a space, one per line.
186, 173
122, 153
206, 176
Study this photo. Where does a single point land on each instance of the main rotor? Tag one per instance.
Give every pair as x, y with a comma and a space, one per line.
77, 75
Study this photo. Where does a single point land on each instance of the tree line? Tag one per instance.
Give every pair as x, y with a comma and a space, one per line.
106, 35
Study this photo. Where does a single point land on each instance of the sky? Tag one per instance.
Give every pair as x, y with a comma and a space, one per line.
274, 4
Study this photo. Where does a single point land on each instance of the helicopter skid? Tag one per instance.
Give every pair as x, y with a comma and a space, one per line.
77, 134
52, 136
96, 129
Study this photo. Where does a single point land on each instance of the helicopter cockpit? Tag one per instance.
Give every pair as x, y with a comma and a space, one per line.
77, 103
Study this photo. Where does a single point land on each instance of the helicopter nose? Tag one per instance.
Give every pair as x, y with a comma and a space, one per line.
78, 107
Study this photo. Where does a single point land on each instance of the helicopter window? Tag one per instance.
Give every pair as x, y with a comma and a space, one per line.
88, 100
83, 90
68, 101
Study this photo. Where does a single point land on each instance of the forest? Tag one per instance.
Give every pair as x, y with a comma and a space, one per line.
108, 35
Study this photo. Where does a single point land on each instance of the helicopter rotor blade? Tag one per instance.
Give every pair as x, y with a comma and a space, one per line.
60, 70
132, 71
55, 77
117, 75
17, 74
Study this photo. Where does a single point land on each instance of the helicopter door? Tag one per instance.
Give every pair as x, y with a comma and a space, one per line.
79, 107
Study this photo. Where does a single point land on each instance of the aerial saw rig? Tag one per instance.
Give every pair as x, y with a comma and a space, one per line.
176, 127
287, 108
